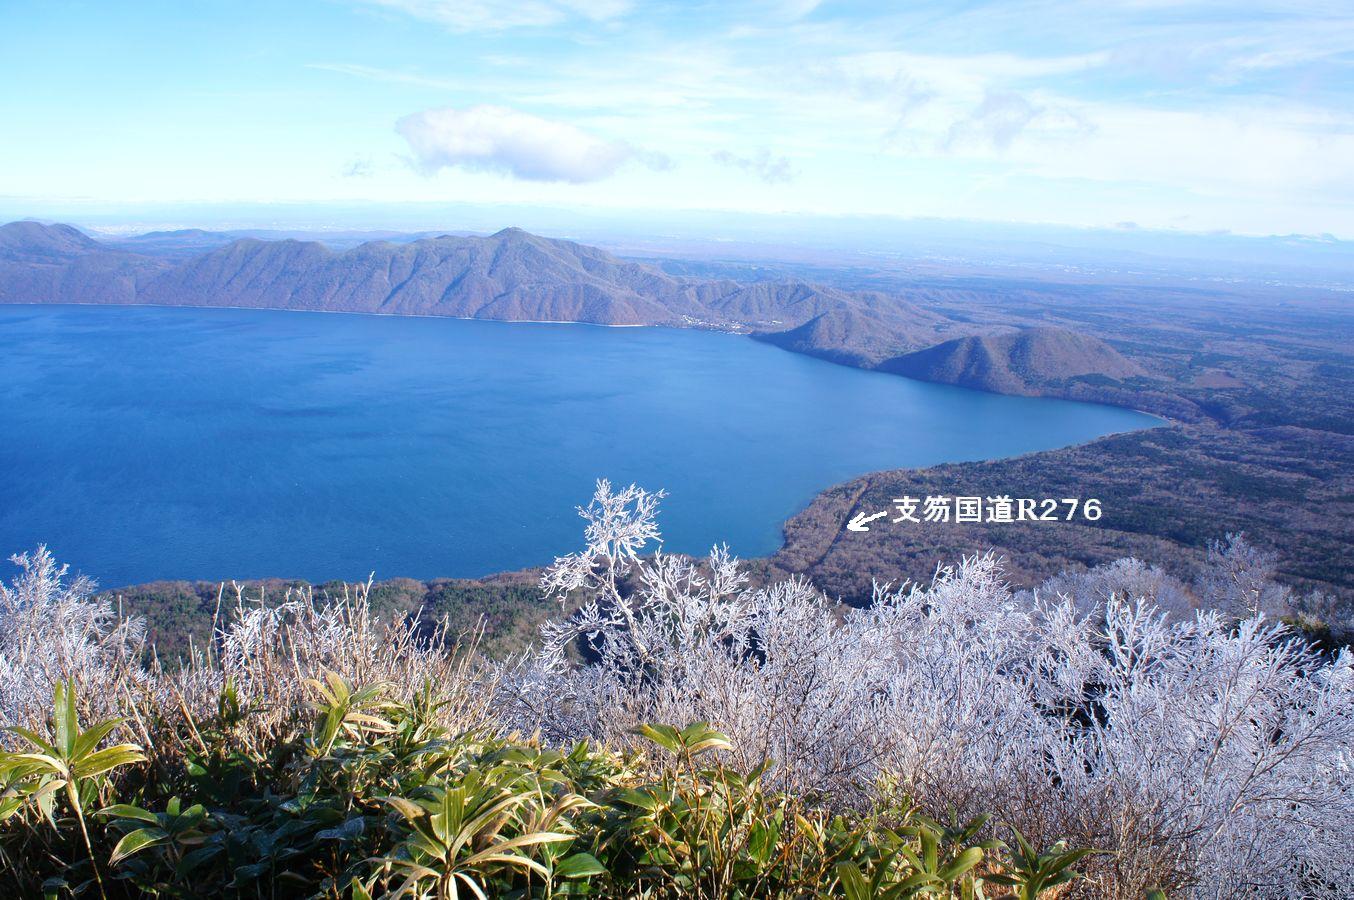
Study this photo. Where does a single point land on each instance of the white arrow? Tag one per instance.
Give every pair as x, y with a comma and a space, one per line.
858, 523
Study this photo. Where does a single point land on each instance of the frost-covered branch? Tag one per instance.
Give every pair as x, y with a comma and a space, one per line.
1210, 752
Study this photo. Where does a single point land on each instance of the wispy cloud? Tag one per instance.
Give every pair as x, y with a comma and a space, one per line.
361, 167
762, 165
1000, 119
510, 142
992, 99
1220, 114
391, 76
497, 15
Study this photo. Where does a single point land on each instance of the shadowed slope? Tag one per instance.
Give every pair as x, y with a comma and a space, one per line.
1030, 361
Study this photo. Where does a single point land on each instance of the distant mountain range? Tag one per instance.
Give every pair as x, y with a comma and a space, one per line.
516, 276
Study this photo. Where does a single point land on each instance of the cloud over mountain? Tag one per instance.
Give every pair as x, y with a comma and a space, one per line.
498, 139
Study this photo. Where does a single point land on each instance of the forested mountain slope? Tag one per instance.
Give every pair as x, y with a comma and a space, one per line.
516, 276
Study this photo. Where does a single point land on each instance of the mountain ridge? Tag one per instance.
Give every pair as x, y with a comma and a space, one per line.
513, 275
1031, 361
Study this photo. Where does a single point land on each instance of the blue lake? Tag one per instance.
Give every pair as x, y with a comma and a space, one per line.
143, 443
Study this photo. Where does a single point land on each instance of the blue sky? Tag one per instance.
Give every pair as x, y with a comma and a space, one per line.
1191, 116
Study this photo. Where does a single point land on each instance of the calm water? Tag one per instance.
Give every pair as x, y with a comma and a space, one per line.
189, 443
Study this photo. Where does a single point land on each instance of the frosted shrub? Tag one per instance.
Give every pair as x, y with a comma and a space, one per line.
52, 629
1238, 578
269, 651
1220, 752
1092, 589
1207, 754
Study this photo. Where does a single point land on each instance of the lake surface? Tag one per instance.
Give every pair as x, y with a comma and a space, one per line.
143, 443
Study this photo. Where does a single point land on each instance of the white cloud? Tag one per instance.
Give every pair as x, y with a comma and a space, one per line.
768, 168
494, 15
1000, 119
361, 167
392, 76
1004, 116
1249, 154
498, 139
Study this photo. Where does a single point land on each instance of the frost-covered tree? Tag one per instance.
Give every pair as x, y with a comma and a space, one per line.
1091, 589
52, 628
1238, 579
1209, 755
1208, 752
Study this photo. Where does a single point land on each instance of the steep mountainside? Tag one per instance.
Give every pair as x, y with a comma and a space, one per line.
862, 337
1029, 361
510, 275
516, 276
59, 264
35, 240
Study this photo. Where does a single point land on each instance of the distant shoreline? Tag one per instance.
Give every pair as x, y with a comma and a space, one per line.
343, 312
1164, 420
